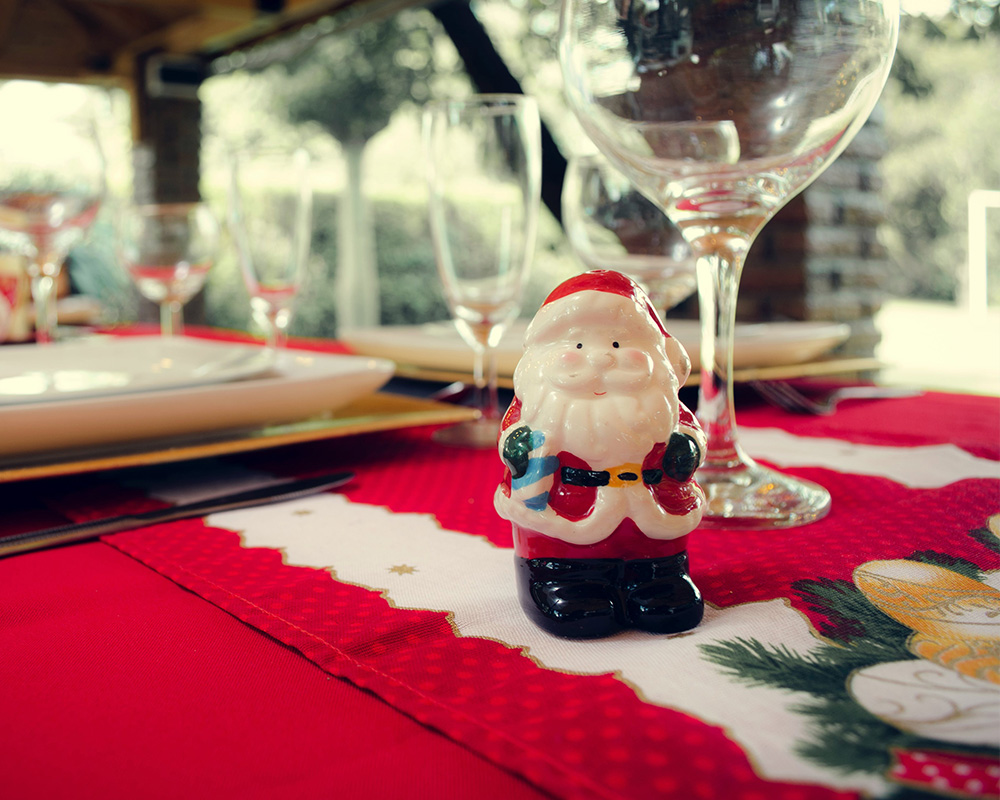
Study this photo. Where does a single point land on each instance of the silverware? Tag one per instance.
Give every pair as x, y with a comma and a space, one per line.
787, 397
78, 531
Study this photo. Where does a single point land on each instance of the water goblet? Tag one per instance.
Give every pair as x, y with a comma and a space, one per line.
52, 183
483, 157
610, 224
270, 218
167, 249
722, 112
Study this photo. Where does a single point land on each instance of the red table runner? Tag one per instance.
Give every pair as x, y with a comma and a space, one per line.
401, 586
577, 733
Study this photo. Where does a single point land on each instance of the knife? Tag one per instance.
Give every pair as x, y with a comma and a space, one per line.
77, 531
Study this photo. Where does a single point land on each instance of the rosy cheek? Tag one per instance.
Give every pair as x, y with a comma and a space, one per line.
571, 360
633, 359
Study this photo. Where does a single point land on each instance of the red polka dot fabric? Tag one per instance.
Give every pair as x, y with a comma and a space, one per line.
571, 735
575, 736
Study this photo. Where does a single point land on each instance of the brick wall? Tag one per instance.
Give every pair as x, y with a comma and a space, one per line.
820, 258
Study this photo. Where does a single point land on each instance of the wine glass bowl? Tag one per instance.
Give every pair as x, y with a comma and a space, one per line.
483, 157
270, 218
168, 249
610, 224
52, 183
721, 112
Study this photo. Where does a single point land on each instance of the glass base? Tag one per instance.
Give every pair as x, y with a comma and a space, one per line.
751, 497
480, 433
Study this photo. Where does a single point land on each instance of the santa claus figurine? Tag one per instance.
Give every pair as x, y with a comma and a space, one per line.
599, 455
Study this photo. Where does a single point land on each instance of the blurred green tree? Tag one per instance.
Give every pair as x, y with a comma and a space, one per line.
351, 84
942, 110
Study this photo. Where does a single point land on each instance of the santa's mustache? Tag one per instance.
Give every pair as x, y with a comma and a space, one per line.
604, 431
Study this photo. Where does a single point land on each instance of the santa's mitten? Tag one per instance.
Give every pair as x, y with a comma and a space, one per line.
516, 448
682, 457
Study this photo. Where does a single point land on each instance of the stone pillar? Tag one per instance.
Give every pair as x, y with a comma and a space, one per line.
166, 150
167, 133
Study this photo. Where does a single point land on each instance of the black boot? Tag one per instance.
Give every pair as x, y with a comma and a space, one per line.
574, 597
660, 596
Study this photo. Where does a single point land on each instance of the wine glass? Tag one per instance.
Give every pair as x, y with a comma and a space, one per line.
484, 174
610, 224
167, 250
722, 110
52, 183
270, 218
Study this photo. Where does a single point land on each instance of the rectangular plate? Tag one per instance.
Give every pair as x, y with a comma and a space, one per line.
300, 385
378, 412
821, 367
438, 346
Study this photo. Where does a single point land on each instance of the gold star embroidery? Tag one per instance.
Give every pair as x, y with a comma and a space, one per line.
403, 569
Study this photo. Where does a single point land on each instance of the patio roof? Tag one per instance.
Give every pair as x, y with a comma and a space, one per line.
101, 40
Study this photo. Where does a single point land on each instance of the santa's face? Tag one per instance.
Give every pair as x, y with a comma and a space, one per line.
600, 360
599, 385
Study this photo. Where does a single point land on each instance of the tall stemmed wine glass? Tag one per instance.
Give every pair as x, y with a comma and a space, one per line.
270, 218
168, 249
722, 110
610, 224
52, 183
484, 174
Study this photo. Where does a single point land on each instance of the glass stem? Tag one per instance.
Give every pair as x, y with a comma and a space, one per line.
277, 338
490, 404
43, 269
484, 373
43, 288
277, 330
718, 286
171, 319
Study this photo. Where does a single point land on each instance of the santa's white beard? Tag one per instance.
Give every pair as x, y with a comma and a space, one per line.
604, 431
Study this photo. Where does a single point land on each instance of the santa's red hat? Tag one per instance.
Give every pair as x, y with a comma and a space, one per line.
563, 303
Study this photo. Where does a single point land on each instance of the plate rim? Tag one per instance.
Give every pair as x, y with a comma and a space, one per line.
259, 362
296, 369
391, 341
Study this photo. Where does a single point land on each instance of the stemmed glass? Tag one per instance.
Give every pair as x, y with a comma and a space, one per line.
270, 218
52, 183
610, 224
484, 174
722, 110
168, 249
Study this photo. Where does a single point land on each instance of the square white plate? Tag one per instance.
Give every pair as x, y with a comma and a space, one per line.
101, 366
438, 345
298, 385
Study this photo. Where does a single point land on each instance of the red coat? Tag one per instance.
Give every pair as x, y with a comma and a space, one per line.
574, 502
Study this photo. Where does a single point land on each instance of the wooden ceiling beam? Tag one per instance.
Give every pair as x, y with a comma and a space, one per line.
8, 13
100, 39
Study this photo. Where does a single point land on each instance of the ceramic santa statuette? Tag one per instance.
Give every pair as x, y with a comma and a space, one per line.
599, 455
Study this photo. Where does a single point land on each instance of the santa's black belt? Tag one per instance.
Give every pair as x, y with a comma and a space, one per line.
619, 476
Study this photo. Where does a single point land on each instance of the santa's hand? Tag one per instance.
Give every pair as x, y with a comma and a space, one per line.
515, 450
682, 457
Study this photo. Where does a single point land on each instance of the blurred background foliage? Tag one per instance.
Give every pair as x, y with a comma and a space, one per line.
354, 99
352, 93
942, 114
362, 90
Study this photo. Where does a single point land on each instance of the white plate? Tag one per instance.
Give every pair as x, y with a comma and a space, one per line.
437, 345
101, 366
300, 385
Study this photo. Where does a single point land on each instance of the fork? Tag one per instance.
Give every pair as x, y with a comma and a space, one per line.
787, 397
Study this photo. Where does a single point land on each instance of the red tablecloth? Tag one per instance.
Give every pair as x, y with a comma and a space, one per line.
331, 649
